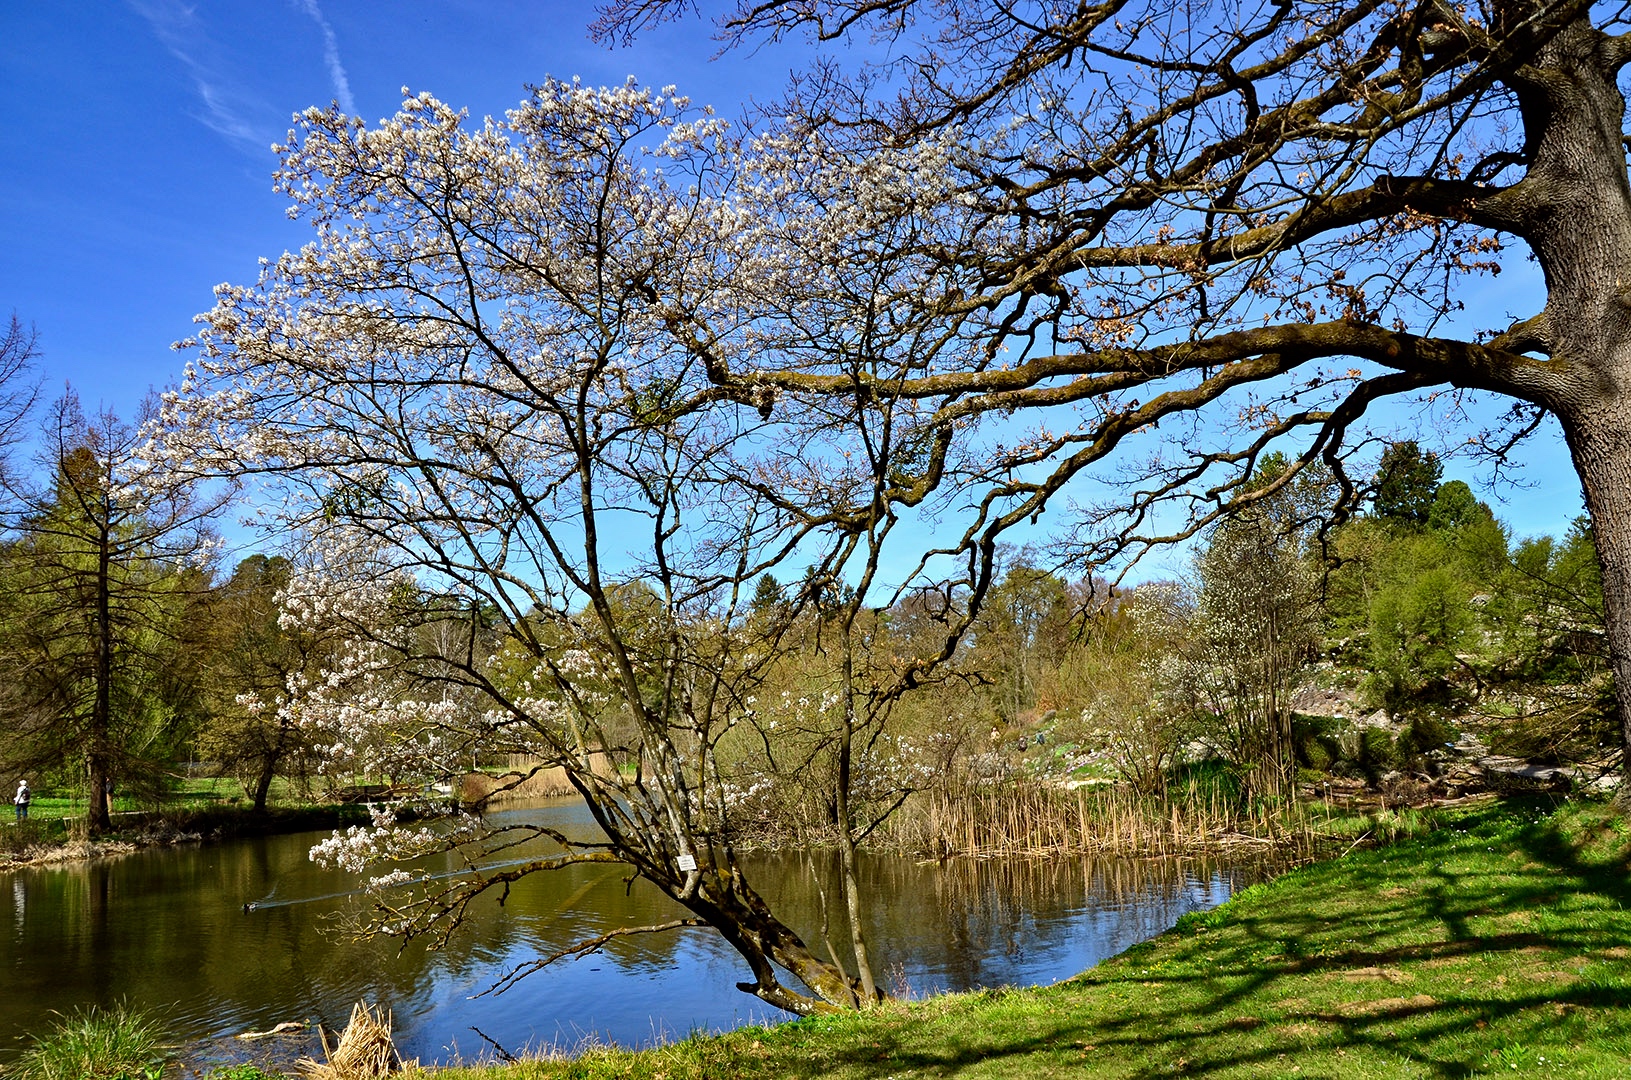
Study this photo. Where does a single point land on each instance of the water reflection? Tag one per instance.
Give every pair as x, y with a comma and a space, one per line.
166, 929
971, 923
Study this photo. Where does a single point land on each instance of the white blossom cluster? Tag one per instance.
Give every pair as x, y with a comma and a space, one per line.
520, 358
362, 846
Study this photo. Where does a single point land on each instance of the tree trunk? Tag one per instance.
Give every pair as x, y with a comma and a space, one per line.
722, 898
263, 782
1576, 199
1601, 448
727, 903
98, 820
846, 831
269, 764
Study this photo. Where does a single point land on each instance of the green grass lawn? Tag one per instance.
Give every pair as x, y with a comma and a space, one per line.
195, 793
204, 806
1499, 944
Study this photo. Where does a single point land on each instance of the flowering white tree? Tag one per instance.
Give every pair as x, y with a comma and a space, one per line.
483, 393
1254, 631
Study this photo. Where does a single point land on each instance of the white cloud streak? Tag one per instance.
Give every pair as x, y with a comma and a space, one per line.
331, 57
228, 110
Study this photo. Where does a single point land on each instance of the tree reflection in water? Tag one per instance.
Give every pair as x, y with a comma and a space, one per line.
166, 929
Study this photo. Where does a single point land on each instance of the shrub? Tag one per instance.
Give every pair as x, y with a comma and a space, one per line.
1316, 741
1377, 751
1208, 780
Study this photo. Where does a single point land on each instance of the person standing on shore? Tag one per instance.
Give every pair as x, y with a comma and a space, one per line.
22, 799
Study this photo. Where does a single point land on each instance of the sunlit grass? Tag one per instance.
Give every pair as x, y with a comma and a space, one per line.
57, 826
1499, 942
191, 794
96, 1044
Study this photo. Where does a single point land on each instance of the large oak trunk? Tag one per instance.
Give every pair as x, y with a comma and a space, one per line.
1601, 447
1575, 202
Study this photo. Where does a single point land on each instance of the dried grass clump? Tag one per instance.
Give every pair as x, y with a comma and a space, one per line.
365, 1051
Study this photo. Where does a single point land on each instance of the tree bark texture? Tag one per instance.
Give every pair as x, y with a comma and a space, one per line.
1601, 448
1576, 215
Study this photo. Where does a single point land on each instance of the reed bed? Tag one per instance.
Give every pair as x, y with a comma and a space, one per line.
1028, 819
1038, 817
528, 778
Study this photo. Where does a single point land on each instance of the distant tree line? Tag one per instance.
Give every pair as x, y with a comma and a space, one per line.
1422, 609
127, 650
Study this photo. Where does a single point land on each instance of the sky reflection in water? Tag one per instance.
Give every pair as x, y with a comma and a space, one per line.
166, 929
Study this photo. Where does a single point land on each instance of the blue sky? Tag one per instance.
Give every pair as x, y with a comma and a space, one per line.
136, 153
135, 160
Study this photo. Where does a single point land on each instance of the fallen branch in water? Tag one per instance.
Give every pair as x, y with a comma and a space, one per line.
288, 1027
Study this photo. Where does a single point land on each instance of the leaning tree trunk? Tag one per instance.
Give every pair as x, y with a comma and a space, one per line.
846, 830
718, 894
727, 903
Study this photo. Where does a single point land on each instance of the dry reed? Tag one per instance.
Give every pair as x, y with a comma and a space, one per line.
529, 778
1043, 819
363, 1052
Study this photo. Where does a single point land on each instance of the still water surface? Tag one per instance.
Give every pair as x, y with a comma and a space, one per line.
165, 928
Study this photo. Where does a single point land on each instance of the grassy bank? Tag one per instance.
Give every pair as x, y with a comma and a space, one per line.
192, 793
1498, 944
52, 839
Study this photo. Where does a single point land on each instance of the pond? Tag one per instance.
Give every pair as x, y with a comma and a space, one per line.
166, 928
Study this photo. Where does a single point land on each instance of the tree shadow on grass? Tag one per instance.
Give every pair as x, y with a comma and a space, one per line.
1402, 975
1403, 1029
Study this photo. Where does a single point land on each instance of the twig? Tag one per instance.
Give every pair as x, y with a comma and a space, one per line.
582, 948
503, 1053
